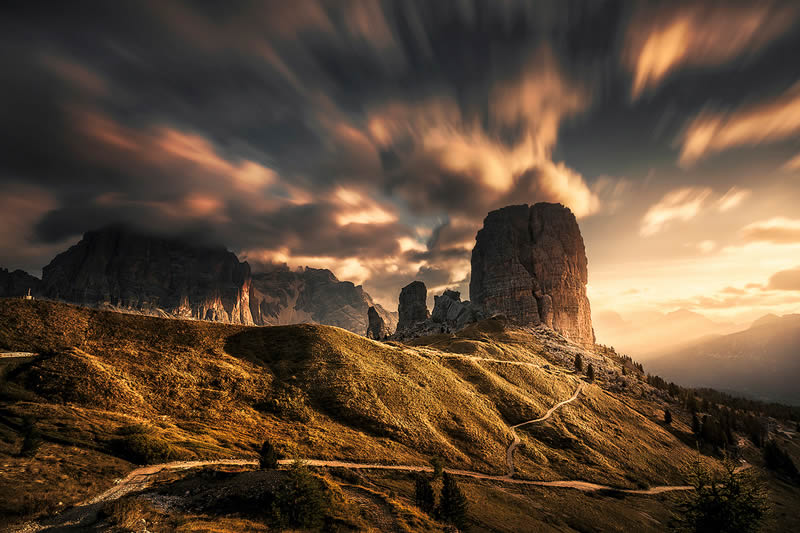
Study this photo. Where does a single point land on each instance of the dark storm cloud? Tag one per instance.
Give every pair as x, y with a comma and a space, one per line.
368, 136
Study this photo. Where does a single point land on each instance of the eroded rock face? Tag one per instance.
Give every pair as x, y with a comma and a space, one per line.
412, 308
128, 270
529, 264
376, 328
452, 313
311, 295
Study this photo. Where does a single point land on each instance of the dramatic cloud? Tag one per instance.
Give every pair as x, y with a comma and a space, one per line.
680, 204
785, 280
662, 40
733, 198
712, 132
778, 230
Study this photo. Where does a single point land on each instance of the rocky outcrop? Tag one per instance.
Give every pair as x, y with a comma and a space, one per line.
283, 296
376, 327
412, 308
452, 314
128, 270
529, 264
17, 283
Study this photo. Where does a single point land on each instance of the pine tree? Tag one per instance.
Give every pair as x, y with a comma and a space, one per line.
423, 494
590, 372
696, 425
301, 500
667, 417
31, 438
579, 363
268, 456
736, 503
452, 503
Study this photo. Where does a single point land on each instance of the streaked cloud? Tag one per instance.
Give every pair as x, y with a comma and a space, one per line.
712, 132
681, 204
661, 40
778, 230
792, 164
733, 198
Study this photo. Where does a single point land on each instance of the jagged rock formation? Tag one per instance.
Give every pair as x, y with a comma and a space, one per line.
376, 329
412, 308
17, 283
529, 264
282, 296
453, 314
127, 270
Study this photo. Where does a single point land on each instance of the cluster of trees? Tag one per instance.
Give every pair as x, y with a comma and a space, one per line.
452, 507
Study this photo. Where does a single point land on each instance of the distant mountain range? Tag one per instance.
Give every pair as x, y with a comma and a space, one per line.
651, 334
124, 269
762, 361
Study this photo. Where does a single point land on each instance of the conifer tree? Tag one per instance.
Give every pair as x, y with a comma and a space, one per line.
667, 417
590, 372
452, 503
579, 363
423, 494
268, 456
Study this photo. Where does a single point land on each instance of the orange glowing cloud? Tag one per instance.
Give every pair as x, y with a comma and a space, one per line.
681, 204
699, 35
713, 132
778, 230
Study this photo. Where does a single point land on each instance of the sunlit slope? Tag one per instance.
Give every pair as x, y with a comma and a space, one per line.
214, 390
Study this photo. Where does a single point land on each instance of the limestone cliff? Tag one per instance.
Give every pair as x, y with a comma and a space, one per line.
529, 264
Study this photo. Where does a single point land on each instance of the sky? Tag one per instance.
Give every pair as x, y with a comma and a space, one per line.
372, 137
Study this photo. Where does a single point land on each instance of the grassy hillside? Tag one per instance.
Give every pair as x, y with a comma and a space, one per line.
113, 388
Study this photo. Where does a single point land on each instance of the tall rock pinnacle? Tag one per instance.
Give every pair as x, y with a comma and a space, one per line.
529, 264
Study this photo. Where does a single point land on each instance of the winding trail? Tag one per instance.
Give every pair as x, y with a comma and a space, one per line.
548, 414
144, 477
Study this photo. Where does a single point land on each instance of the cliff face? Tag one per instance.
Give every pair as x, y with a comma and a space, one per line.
132, 271
529, 264
312, 295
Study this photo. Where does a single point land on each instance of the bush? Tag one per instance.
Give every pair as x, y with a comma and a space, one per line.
438, 467
143, 449
301, 500
453, 503
288, 402
268, 456
667, 417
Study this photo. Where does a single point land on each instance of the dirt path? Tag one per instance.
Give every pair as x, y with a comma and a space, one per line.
548, 414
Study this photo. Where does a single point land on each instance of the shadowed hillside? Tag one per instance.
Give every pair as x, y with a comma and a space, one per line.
141, 389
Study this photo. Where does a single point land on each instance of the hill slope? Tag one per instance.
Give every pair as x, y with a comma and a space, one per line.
112, 384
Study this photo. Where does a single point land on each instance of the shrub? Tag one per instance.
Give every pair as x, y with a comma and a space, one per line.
268, 456
453, 503
288, 402
301, 500
667, 417
423, 494
143, 448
